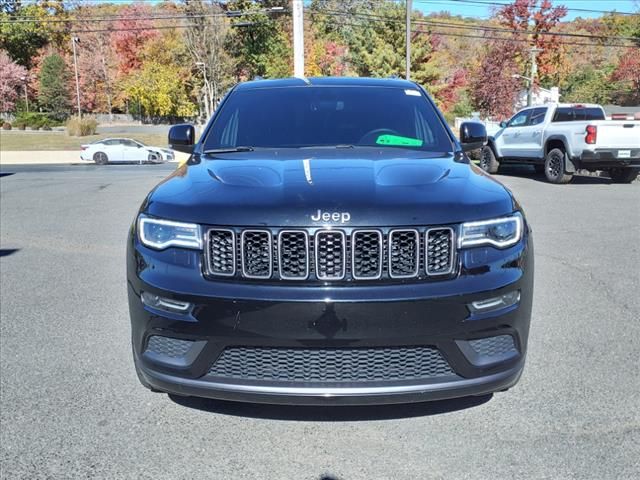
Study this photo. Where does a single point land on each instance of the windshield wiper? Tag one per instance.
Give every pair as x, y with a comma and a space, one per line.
228, 150
340, 145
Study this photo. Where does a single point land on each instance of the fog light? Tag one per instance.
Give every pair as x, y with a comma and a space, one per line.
495, 303
167, 304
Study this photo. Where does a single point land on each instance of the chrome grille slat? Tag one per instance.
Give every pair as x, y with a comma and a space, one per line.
221, 252
404, 253
366, 254
331, 255
317, 254
256, 251
439, 251
293, 254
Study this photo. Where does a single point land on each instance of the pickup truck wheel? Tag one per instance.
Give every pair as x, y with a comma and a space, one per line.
624, 175
554, 167
488, 161
100, 158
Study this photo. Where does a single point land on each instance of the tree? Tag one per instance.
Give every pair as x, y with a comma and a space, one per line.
589, 84
23, 31
159, 91
494, 89
132, 33
535, 17
205, 42
53, 95
12, 77
627, 76
261, 42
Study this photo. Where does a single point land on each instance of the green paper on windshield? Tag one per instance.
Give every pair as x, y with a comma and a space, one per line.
398, 141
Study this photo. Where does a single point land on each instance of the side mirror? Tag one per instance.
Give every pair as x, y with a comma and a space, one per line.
182, 137
473, 135
503, 124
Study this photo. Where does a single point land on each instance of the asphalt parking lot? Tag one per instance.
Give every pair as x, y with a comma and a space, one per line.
72, 407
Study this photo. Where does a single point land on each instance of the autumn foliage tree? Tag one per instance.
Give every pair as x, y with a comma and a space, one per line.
494, 89
627, 76
12, 77
132, 31
535, 18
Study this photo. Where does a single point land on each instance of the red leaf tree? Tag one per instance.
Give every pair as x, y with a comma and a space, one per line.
536, 17
131, 32
12, 76
627, 74
494, 89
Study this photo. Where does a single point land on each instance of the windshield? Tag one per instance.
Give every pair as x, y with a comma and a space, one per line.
317, 116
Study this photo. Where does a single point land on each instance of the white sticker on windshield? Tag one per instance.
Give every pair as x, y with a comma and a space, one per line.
415, 93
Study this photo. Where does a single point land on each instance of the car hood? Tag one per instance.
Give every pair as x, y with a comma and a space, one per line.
291, 187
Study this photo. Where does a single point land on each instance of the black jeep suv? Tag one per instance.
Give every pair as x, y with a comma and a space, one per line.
328, 241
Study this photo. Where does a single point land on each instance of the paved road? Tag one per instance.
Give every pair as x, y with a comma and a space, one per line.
71, 406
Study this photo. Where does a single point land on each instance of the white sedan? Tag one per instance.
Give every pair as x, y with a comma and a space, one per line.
111, 150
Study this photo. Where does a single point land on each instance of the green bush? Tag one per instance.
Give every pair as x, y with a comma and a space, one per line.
6, 126
81, 127
20, 125
36, 120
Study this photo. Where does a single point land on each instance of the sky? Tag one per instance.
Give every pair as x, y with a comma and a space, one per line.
478, 10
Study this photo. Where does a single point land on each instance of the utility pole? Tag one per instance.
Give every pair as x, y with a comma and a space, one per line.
408, 40
26, 96
75, 40
298, 39
534, 71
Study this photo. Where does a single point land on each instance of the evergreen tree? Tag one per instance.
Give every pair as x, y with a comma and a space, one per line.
53, 95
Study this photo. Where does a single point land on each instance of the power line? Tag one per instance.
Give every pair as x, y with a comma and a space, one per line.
501, 4
441, 25
88, 19
437, 23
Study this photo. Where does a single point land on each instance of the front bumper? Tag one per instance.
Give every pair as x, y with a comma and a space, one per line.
404, 317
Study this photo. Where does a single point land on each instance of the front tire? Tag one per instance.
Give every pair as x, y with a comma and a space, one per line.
624, 175
100, 158
488, 161
555, 165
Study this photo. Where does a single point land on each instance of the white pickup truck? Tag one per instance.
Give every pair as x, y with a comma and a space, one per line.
560, 139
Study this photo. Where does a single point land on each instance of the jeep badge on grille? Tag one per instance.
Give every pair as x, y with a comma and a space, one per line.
342, 217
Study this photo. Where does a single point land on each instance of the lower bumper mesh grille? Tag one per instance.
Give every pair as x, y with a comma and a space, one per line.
494, 346
331, 364
167, 346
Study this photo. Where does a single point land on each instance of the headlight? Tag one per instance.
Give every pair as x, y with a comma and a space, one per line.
159, 234
499, 232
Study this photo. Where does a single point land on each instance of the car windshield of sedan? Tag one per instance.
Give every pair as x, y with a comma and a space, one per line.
322, 116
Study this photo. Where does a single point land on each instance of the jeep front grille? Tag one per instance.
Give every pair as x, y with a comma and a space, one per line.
331, 255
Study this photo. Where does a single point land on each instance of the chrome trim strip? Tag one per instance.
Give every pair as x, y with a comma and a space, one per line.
452, 251
453, 383
417, 267
208, 252
306, 246
354, 234
344, 254
242, 253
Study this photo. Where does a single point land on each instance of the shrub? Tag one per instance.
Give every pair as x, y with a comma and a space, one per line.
46, 127
6, 126
36, 120
81, 127
20, 125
